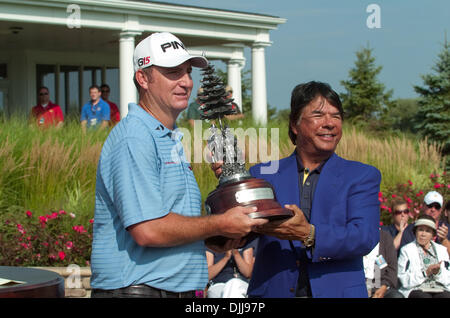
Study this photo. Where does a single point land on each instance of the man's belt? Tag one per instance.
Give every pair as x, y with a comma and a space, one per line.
145, 290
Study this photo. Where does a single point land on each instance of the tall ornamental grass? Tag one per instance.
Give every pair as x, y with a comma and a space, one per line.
47, 180
52, 170
48, 170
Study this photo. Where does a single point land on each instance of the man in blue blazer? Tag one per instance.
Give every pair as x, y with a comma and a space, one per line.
319, 251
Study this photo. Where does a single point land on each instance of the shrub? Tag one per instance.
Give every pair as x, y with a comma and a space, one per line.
413, 195
55, 239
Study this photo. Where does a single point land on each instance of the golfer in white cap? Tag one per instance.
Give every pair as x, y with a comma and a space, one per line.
148, 228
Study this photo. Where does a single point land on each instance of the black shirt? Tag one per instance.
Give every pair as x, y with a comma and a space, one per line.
307, 182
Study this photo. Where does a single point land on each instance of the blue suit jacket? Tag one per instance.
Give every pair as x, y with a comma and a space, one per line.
345, 211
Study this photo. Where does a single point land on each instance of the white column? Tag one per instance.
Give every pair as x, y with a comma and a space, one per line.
259, 93
128, 93
234, 80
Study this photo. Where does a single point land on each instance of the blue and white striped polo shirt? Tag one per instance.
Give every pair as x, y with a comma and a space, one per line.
142, 175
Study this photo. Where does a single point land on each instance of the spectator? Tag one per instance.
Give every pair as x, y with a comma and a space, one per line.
230, 272
382, 262
433, 202
239, 114
445, 218
115, 113
193, 112
45, 113
423, 264
148, 230
96, 112
400, 217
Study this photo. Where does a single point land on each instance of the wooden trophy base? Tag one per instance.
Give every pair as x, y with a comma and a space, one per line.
247, 192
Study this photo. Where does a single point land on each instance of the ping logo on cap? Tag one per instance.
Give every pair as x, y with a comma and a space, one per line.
174, 44
143, 61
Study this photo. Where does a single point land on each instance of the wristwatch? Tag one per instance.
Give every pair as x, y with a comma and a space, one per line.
309, 241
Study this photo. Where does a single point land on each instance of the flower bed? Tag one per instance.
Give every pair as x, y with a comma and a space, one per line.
54, 239
413, 196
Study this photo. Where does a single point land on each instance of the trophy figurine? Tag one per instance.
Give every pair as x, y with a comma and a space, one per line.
236, 185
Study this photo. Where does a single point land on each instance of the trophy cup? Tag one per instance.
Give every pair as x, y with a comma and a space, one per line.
236, 185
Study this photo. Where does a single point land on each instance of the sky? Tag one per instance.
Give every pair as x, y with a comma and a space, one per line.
320, 39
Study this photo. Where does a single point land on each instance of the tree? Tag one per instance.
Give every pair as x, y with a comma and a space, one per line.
402, 117
365, 98
434, 103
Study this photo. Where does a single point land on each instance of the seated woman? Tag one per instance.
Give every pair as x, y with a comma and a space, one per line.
423, 264
229, 272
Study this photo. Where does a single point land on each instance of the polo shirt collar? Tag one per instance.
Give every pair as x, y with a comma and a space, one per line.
301, 168
156, 127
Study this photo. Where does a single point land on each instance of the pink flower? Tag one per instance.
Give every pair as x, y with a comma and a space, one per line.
69, 245
29, 214
381, 223
394, 196
25, 246
62, 212
62, 255
383, 207
437, 185
410, 183
20, 229
42, 219
91, 221
79, 228
432, 176
52, 216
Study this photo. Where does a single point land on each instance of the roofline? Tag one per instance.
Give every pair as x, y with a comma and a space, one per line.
206, 8
144, 8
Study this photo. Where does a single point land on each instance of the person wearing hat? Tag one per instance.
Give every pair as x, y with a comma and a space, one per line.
423, 265
148, 230
433, 202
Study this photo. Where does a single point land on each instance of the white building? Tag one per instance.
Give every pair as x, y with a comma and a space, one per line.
69, 45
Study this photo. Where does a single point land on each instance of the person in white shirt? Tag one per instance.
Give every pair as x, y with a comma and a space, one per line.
423, 265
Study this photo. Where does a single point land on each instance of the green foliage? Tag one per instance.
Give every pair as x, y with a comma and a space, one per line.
49, 171
402, 115
434, 104
412, 194
365, 98
55, 239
